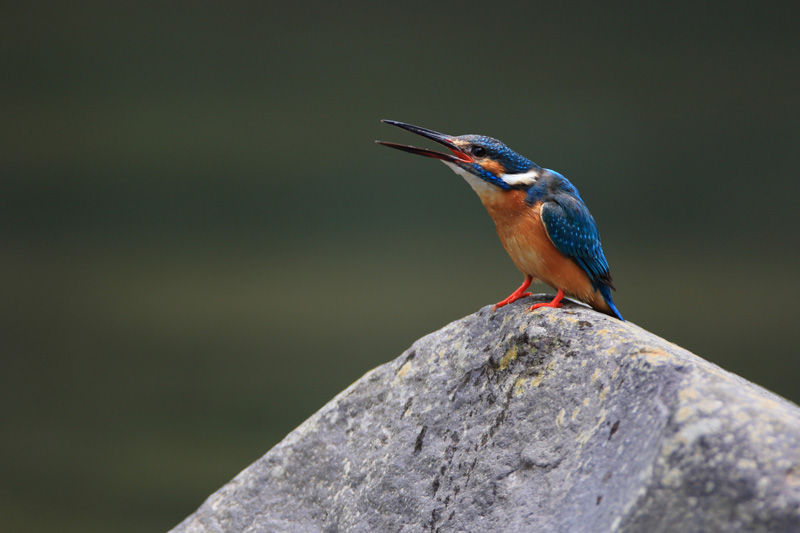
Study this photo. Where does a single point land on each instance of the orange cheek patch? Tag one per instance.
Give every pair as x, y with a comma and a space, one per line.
494, 167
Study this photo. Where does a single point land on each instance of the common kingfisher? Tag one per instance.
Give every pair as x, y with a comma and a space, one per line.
541, 219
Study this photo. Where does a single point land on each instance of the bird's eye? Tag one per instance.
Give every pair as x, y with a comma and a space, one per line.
478, 151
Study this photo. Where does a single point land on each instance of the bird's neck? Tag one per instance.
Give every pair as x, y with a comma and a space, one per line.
503, 205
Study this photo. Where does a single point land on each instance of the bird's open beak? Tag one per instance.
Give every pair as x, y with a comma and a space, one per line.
458, 155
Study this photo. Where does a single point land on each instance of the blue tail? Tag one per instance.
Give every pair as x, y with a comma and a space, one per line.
605, 290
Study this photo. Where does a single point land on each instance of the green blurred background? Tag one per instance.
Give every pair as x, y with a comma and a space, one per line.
201, 245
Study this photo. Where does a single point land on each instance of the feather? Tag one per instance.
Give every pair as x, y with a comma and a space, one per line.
573, 231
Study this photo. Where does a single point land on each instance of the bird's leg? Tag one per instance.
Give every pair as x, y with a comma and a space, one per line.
555, 303
517, 294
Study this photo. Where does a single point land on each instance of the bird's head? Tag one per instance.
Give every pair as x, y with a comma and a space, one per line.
475, 156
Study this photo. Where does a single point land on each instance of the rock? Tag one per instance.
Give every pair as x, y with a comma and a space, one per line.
556, 420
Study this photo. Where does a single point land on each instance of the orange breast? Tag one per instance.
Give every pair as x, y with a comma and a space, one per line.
522, 233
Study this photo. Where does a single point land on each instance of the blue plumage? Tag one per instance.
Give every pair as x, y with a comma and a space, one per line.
571, 227
573, 231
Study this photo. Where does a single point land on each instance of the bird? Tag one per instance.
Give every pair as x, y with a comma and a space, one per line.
541, 220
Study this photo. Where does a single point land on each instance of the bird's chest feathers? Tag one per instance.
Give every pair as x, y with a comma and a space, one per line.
519, 225
520, 228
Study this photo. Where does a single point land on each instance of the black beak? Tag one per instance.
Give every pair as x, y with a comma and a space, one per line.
441, 138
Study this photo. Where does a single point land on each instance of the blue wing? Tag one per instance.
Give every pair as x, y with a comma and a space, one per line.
573, 231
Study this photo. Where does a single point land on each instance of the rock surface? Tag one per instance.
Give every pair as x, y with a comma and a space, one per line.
557, 420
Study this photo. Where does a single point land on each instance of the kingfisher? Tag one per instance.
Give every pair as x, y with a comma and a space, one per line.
542, 221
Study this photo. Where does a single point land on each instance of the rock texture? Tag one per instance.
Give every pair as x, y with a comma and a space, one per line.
557, 420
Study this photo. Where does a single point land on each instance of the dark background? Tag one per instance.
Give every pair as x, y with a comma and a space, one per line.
200, 244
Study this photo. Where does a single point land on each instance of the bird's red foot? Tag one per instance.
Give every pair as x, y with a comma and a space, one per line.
511, 299
555, 303
516, 295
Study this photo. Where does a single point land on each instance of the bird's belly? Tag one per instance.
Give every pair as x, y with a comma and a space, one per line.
523, 249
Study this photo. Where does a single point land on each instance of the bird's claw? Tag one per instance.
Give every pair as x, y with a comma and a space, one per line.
510, 300
555, 303
545, 304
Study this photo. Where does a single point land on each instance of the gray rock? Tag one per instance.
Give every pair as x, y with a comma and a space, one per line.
556, 420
